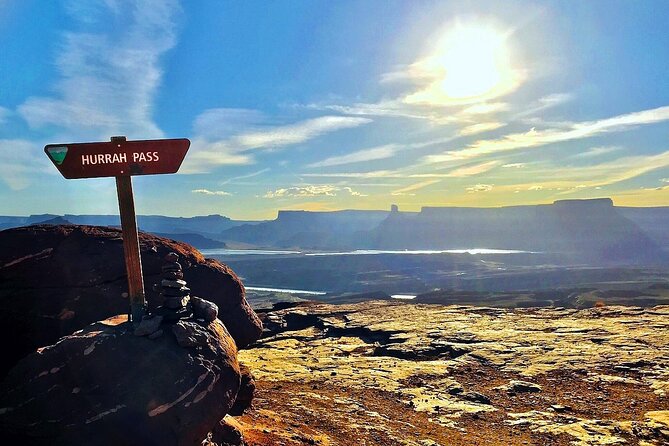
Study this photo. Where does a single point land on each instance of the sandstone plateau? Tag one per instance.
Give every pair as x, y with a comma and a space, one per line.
386, 373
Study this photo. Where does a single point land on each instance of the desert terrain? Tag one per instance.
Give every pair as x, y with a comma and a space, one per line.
386, 373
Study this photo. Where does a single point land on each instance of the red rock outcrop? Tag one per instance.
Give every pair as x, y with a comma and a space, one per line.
105, 386
247, 390
58, 279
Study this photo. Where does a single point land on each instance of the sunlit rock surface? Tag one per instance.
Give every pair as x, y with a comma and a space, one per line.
385, 373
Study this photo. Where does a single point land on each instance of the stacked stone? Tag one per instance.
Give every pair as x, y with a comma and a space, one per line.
173, 288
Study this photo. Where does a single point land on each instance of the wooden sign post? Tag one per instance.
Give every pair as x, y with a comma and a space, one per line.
122, 159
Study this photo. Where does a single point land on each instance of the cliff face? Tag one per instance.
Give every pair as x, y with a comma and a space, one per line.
654, 221
309, 229
386, 373
585, 231
580, 231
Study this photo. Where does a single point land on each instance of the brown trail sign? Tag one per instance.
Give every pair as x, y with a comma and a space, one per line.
121, 159
118, 157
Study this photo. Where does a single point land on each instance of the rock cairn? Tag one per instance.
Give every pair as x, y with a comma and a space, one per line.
173, 288
178, 304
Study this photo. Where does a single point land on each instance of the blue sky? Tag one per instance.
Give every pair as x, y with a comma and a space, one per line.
327, 105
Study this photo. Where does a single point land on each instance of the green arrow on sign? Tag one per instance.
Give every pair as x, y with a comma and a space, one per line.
57, 154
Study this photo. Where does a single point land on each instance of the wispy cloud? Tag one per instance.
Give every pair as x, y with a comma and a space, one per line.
446, 157
389, 108
297, 133
246, 129
459, 172
468, 114
597, 151
413, 187
222, 123
568, 179
220, 193
580, 130
207, 153
485, 108
21, 163
544, 103
352, 192
476, 169
479, 188
110, 71
396, 108
480, 127
243, 177
204, 156
371, 154
323, 190
395, 148
370, 174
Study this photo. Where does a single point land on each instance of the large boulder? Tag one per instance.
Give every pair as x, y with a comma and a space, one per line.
58, 279
247, 391
105, 386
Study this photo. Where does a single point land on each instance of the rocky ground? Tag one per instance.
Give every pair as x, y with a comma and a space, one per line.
386, 373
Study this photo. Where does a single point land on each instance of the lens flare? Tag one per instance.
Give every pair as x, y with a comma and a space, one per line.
470, 63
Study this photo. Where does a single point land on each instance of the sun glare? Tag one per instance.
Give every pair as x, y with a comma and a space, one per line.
470, 63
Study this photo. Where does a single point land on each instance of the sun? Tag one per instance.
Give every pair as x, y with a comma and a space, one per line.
469, 63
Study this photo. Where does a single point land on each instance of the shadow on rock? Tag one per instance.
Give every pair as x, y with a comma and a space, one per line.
55, 280
106, 386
